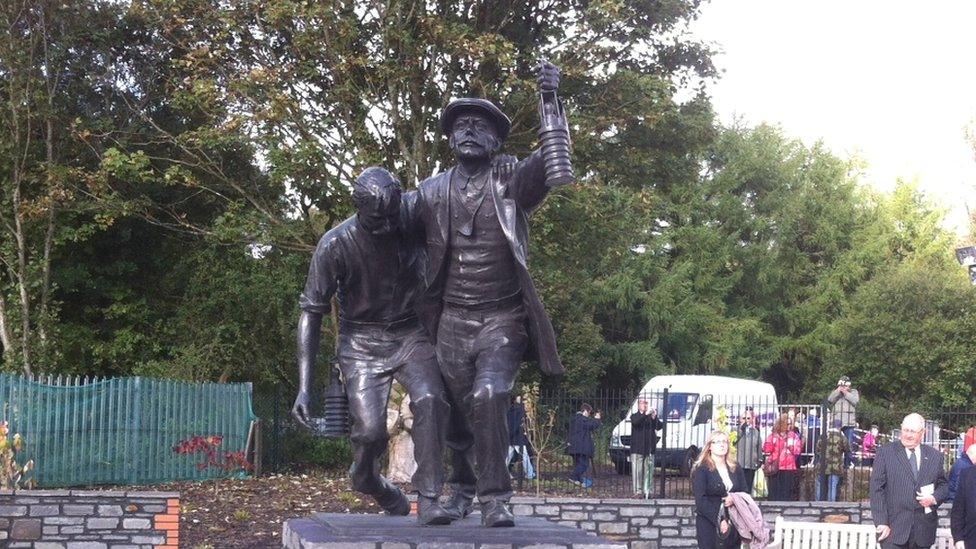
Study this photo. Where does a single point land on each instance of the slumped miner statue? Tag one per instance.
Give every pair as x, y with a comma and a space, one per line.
374, 268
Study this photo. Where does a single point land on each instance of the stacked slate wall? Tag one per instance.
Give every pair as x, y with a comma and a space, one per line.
657, 523
81, 519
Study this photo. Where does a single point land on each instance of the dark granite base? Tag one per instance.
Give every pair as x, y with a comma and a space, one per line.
340, 531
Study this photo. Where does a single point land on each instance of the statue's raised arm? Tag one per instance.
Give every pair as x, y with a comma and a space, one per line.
553, 128
550, 165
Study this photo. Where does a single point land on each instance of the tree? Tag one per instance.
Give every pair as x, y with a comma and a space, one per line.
49, 63
599, 249
733, 250
319, 91
915, 291
789, 214
249, 120
908, 334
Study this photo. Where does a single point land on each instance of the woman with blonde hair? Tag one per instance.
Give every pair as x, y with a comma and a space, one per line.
782, 447
714, 477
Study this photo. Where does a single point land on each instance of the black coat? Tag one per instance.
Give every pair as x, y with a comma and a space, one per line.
893, 489
516, 426
516, 191
643, 433
580, 441
963, 517
709, 491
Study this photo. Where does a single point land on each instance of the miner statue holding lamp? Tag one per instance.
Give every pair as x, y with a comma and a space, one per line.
480, 306
476, 299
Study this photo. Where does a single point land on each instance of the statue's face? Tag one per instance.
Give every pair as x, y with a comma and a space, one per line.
377, 198
473, 136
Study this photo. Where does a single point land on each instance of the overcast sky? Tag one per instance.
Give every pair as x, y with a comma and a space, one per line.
890, 80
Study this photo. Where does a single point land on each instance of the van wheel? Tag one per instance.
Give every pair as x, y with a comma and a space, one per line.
688, 461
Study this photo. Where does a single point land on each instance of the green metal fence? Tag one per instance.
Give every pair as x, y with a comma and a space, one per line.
122, 430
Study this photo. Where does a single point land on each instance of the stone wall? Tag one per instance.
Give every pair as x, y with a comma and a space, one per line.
650, 524
80, 519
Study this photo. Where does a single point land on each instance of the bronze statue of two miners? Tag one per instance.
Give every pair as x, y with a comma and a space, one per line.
434, 291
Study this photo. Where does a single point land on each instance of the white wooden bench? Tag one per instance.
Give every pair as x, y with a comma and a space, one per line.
824, 535
943, 539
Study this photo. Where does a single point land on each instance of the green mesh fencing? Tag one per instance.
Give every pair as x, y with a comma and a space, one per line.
123, 430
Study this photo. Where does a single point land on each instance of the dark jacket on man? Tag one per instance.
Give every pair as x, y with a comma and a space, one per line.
580, 440
749, 447
893, 488
958, 468
643, 433
516, 425
374, 280
962, 521
516, 191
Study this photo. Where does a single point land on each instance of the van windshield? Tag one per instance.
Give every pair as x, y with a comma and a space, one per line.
680, 406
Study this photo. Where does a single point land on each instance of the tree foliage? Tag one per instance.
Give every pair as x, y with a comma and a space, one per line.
51, 57
314, 92
908, 334
170, 164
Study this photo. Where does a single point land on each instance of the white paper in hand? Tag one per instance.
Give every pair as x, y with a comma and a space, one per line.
927, 490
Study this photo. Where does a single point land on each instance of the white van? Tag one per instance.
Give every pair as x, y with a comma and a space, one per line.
690, 405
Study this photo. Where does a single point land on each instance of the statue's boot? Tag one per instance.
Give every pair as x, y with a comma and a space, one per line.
431, 513
459, 506
496, 514
393, 500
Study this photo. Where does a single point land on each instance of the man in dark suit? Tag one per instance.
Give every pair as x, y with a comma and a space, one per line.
907, 485
480, 305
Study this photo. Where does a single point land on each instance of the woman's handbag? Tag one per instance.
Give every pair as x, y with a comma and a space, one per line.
723, 516
771, 466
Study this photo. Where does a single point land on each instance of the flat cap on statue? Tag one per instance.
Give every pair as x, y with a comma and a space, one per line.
502, 124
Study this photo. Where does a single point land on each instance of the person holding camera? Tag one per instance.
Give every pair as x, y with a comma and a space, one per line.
581, 446
843, 401
644, 425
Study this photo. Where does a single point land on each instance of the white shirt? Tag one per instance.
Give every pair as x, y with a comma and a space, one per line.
726, 479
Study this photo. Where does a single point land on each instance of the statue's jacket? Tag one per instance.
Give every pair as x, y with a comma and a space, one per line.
516, 190
377, 279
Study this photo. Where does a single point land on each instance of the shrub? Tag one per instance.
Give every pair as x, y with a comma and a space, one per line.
13, 475
229, 462
327, 453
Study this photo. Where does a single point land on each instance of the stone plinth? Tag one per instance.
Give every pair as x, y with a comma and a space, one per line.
340, 531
